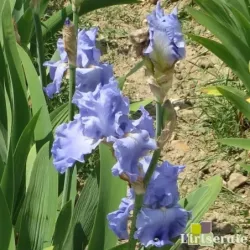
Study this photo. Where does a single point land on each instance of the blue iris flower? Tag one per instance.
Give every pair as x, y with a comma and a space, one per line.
167, 44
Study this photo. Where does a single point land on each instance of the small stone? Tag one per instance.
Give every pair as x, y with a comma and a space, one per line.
205, 64
236, 180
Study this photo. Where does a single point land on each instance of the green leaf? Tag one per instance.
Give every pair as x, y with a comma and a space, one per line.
245, 167
43, 129
233, 61
134, 106
62, 225
236, 142
3, 82
8, 181
217, 10
55, 22
57, 111
3, 146
237, 98
7, 241
49, 248
30, 163
20, 109
83, 216
123, 246
37, 203
2, 167
211, 90
52, 210
20, 158
237, 48
123, 79
59, 115
110, 193
198, 202
240, 5
25, 27
242, 24
222, 32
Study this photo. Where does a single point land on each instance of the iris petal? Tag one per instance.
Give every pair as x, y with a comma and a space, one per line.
71, 145
129, 150
167, 44
158, 226
118, 220
54, 87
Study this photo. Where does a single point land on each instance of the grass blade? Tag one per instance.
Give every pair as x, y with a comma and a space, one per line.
236, 98
236, 142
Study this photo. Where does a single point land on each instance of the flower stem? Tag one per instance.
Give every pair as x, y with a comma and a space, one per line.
157, 152
151, 168
72, 78
137, 208
40, 47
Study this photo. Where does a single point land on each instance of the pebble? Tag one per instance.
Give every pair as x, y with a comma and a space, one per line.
205, 64
236, 180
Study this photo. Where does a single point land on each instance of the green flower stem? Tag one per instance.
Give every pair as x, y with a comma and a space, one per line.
72, 78
139, 198
137, 208
157, 152
40, 47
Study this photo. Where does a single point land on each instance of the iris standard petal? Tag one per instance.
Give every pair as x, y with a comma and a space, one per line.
101, 111
145, 122
162, 190
87, 53
87, 79
167, 43
129, 150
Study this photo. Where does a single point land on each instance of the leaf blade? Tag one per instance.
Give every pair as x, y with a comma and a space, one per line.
111, 191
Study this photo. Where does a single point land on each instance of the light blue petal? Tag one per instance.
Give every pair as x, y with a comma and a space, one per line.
71, 145
158, 226
129, 150
104, 112
54, 87
145, 122
118, 220
167, 43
